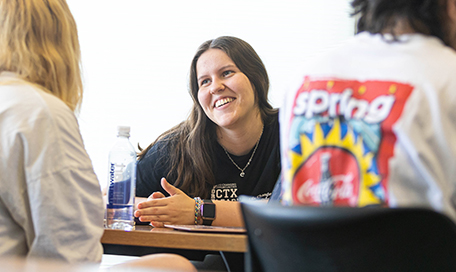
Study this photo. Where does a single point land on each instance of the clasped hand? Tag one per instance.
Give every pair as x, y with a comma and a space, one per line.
177, 209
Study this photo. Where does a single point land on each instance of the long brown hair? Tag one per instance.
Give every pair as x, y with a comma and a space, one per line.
39, 42
191, 158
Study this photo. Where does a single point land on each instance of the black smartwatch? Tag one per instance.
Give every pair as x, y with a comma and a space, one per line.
207, 212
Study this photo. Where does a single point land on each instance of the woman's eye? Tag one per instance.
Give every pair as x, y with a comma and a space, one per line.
226, 73
204, 82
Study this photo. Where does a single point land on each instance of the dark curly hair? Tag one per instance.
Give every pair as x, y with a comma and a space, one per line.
424, 16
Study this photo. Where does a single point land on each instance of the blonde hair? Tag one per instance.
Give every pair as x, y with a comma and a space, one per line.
39, 42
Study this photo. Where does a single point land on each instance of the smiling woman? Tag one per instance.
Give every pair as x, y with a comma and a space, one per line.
136, 55
229, 146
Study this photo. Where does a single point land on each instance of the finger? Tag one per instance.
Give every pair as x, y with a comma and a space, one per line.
157, 219
143, 219
154, 211
169, 188
156, 195
154, 218
145, 212
137, 214
157, 224
153, 202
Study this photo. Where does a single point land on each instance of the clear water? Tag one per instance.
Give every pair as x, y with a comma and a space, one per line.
121, 218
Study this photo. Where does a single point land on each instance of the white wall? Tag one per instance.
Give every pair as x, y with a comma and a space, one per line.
136, 56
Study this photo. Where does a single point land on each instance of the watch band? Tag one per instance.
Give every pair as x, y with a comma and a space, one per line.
207, 222
207, 212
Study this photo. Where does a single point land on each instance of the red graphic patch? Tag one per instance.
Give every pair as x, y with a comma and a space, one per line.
367, 110
337, 182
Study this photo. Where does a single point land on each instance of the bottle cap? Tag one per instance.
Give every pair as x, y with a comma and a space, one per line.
123, 131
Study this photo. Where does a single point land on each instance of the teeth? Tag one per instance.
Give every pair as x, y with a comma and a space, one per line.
223, 101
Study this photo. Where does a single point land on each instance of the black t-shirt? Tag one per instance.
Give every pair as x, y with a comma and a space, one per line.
259, 180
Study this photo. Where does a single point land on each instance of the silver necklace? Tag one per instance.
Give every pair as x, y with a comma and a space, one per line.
242, 174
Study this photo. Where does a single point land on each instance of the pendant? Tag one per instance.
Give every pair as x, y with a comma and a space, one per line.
242, 174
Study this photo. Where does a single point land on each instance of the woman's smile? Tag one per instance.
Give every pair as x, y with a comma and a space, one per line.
221, 102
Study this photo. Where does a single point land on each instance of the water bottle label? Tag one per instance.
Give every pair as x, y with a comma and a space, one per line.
116, 172
119, 190
119, 194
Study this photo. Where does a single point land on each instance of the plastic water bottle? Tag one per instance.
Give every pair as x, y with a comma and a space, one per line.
121, 183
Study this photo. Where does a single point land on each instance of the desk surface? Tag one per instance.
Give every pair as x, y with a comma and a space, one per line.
147, 236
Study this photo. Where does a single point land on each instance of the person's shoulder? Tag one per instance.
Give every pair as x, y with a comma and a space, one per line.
271, 124
45, 124
24, 101
162, 146
437, 50
30, 95
432, 59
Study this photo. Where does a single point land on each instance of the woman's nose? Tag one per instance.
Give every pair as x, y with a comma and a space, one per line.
217, 86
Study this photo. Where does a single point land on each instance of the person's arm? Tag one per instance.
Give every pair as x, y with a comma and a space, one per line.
179, 209
63, 191
228, 213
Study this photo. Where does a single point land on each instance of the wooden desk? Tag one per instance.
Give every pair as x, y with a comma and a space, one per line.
165, 238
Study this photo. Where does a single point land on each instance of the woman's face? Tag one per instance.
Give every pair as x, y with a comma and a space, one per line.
225, 93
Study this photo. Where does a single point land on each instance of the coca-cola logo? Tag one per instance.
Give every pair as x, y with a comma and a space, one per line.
330, 176
339, 141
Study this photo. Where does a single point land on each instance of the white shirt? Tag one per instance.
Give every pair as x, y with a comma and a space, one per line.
50, 199
385, 124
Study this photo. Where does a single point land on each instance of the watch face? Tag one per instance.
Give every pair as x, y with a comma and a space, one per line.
208, 211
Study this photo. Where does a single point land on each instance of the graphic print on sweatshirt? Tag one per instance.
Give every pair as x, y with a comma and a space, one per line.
229, 192
340, 140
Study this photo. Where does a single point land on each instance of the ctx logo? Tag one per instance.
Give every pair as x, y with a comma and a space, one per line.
329, 177
226, 191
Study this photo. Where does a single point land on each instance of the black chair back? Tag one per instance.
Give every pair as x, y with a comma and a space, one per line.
299, 238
